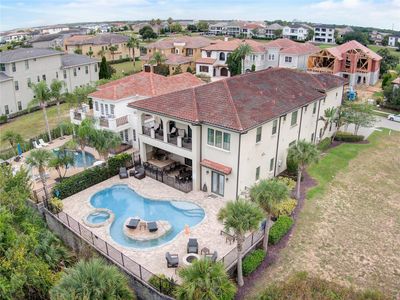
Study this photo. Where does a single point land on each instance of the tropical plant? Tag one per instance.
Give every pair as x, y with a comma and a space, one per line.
147, 33
359, 114
104, 141
61, 161
389, 61
240, 217
205, 279
330, 115
235, 61
13, 138
79, 96
105, 71
113, 49
42, 95
267, 194
157, 59
56, 205
178, 70
56, 87
84, 136
78, 51
253, 260
302, 153
90, 53
133, 43
40, 159
93, 279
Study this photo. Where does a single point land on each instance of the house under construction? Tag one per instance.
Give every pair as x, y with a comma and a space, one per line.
351, 60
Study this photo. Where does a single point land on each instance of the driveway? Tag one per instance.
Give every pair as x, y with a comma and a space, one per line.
380, 122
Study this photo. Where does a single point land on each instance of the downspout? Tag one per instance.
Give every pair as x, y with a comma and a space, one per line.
316, 124
301, 119
277, 146
201, 158
238, 164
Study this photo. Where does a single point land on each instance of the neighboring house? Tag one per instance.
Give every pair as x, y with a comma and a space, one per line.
52, 30
21, 67
213, 57
16, 37
180, 51
272, 29
394, 40
341, 32
217, 29
324, 34
234, 132
377, 37
297, 32
351, 60
53, 40
287, 53
100, 45
253, 29
111, 99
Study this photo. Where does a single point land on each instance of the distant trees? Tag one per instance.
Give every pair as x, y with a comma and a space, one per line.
192, 27
278, 33
78, 51
147, 33
175, 27
202, 26
359, 36
388, 62
105, 69
392, 95
310, 35
113, 49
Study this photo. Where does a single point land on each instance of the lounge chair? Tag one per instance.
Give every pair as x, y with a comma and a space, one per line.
193, 246
152, 226
172, 260
36, 145
133, 223
212, 257
138, 173
123, 173
42, 143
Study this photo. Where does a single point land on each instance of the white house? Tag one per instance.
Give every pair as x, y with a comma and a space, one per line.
272, 30
229, 134
217, 28
296, 32
394, 40
110, 101
324, 34
21, 67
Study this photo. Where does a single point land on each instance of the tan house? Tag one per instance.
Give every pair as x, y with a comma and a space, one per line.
182, 51
99, 45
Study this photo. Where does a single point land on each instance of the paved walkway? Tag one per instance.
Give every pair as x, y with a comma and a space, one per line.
380, 122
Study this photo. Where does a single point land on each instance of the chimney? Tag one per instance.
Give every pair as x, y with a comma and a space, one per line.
226, 38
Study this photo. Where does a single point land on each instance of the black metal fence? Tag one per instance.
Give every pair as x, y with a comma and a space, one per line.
183, 185
164, 286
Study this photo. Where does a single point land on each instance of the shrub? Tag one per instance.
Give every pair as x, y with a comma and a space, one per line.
279, 229
324, 144
291, 166
3, 119
289, 182
163, 284
56, 205
118, 161
348, 137
285, 208
252, 261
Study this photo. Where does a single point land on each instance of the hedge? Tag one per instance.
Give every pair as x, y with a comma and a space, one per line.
279, 229
324, 144
348, 137
90, 177
163, 284
252, 261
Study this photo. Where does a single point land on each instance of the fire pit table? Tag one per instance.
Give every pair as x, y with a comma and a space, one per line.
188, 259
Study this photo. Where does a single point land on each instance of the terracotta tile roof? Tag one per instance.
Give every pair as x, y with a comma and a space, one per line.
176, 59
339, 51
145, 84
233, 44
281, 43
190, 42
301, 48
99, 39
216, 166
206, 60
243, 102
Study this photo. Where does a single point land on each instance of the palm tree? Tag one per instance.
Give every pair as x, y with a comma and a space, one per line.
302, 153
56, 87
205, 279
157, 59
90, 53
101, 53
241, 52
62, 160
132, 44
42, 96
329, 116
104, 141
93, 279
267, 194
13, 138
40, 158
240, 216
113, 49
84, 135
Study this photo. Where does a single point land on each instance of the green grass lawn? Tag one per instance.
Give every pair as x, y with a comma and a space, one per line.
127, 67
324, 46
32, 124
376, 48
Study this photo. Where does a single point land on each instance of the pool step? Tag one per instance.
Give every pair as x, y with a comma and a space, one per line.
193, 212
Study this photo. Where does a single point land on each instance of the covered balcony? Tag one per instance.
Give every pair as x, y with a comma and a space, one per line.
113, 123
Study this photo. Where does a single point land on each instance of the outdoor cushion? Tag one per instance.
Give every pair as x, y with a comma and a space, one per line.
133, 223
152, 226
193, 246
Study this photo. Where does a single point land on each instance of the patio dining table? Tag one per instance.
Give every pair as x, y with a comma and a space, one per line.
161, 164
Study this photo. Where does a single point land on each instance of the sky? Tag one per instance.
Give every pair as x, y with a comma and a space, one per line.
29, 13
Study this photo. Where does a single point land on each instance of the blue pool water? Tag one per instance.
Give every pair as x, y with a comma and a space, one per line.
98, 217
78, 158
125, 202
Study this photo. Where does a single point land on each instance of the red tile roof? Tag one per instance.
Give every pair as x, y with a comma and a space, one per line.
216, 166
243, 102
206, 60
176, 59
145, 84
190, 42
233, 44
288, 46
340, 51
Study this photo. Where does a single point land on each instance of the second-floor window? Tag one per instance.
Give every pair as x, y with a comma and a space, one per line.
112, 107
208, 53
314, 110
258, 135
13, 67
86, 69
16, 85
204, 69
74, 71
28, 82
65, 74
288, 59
189, 52
102, 108
219, 139
274, 126
271, 56
19, 105
293, 120
222, 56
27, 65
2, 67
96, 106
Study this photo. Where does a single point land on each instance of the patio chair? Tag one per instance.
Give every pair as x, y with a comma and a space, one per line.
152, 226
172, 260
133, 223
123, 173
36, 145
193, 246
212, 257
42, 143
173, 132
139, 173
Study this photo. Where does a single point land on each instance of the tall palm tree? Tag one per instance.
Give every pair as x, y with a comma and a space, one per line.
241, 52
42, 96
205, 279
56, 87
104, 141
113, 49
267, 194
302, 153
84, 136
133, 43
93, 279
13, 138
62, 161
157, 59
40, 159
330, 114
240, 216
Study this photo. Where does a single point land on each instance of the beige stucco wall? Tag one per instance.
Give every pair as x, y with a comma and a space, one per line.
122, 52
7, 97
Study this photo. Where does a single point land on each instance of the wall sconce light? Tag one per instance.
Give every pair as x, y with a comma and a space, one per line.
226, 179
207, 172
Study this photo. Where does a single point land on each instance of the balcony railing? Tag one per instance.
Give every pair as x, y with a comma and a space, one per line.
113, 123
122, 121
179, 141
104, 122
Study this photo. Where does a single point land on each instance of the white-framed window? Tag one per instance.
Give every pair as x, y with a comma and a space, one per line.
204, 69
19, 103
257, 173
312, 137
271, 164
28, 82
271, 56
219, 139
57, 75
106, 106
96, 106
217, 183
6, 109
75, 72
65, 74
2, 67
26, 64
288, 59
13, 67
86, 69
314, 110
258, 134
274, 127
134, 135
16, 86
102, 108
112, 107
38, 78
293, 120
222, 56
44, 77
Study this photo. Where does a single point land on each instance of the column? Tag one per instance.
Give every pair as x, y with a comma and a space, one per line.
196, 157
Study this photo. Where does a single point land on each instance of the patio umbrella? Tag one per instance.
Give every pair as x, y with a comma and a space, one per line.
19, 149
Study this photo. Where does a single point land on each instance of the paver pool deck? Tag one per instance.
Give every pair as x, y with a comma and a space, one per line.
207, 231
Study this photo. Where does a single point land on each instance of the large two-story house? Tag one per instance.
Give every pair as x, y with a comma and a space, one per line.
224, 136
111, 99
296, 32
324, 34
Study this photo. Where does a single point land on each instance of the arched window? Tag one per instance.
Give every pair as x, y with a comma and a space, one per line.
222, 56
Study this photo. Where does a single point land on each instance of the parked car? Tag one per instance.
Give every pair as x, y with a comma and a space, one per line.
394, 118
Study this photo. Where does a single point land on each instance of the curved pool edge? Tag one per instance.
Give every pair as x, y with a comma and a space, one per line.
107, 222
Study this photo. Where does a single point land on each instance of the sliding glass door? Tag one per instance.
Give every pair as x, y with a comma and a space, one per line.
217, 183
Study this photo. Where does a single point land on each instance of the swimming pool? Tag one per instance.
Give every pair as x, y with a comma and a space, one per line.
125, 203
78, 158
